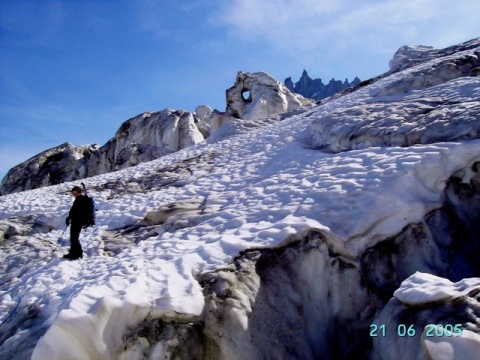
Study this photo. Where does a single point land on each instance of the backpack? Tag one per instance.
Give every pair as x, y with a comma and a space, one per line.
90, 215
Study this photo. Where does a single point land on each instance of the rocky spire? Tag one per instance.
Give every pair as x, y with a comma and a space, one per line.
315, 88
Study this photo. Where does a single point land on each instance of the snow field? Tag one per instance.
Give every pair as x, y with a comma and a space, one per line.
255, 205
258, 189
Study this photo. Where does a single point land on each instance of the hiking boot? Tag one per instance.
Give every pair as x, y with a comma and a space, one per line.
72, 256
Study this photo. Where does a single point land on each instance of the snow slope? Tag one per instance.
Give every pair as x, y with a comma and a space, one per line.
206, 204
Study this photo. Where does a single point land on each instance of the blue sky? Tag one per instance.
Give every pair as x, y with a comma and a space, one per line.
74, 70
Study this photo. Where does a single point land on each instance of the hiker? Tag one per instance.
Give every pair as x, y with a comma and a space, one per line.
77, 218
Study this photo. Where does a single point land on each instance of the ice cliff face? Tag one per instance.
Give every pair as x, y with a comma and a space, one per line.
431, 102
143, 138
253, 97
258, 95
311, 298
408, 56
52, 166
300, 235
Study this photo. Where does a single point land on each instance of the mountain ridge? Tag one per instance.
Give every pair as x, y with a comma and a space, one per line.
151, 135
316, 89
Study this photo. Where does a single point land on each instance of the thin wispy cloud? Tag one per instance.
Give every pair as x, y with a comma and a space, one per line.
305, 25
261, 14
177, 20
283, 23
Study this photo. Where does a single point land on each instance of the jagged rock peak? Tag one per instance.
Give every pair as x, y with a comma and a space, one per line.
315, 88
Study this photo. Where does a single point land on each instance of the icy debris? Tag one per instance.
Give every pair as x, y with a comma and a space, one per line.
423, 289
448, 347
185, 208
430, 317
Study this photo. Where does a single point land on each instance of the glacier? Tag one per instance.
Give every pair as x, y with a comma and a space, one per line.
324, 232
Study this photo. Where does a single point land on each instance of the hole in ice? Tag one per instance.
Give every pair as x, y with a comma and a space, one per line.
246, 95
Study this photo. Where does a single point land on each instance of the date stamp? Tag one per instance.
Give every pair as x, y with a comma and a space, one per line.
431, 330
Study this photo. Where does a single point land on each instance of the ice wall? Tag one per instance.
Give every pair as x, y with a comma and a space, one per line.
309, 298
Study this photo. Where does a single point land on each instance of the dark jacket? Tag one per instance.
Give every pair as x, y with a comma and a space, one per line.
80, 211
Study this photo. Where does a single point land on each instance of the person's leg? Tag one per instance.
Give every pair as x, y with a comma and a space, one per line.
75, 246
